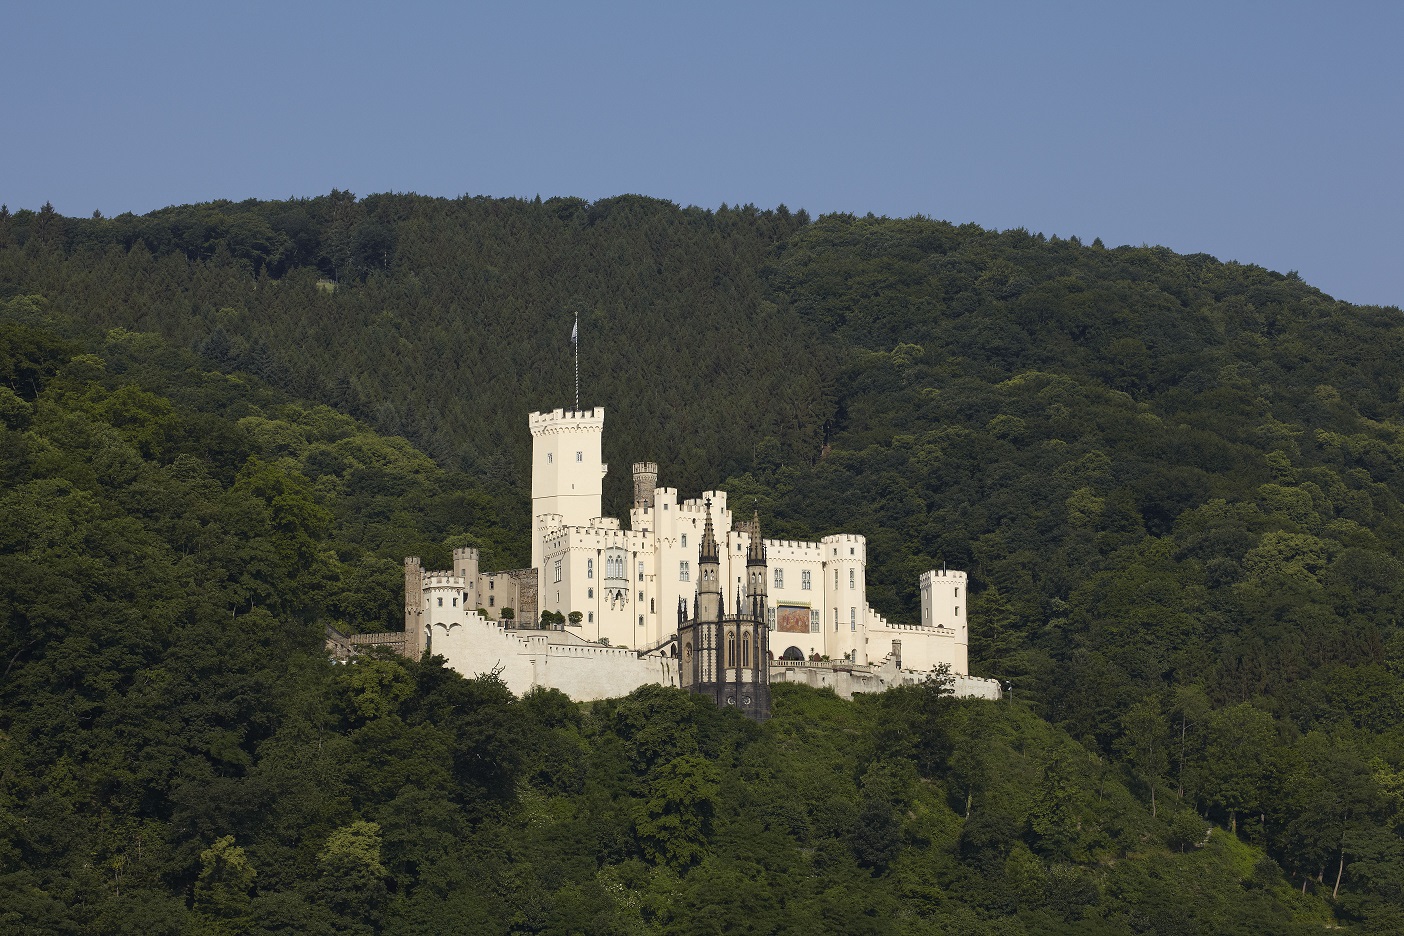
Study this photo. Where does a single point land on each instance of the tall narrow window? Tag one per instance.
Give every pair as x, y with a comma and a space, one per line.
730, 650
684, 574
806, 582
779, 578
957, 614
558, 570
589, 568
492, 600
580, 456
650, 606
957, 592
550, 458
441, 602
745, 649
589, 593
684, 541
836, 578
850, 578
641, 571
853, 619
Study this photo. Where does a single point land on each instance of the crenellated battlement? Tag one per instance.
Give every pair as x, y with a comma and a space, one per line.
564, 421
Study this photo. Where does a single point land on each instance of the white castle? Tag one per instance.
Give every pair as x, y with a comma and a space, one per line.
616, 593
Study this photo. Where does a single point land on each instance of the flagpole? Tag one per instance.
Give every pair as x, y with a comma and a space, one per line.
575, 343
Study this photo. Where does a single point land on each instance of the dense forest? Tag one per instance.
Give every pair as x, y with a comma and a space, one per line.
1176, 484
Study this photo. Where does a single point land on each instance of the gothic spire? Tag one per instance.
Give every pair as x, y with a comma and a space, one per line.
756, 554
709, 539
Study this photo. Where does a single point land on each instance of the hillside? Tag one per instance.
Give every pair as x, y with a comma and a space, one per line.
1175, 483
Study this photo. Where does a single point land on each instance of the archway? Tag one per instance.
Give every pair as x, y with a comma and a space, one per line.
793, 653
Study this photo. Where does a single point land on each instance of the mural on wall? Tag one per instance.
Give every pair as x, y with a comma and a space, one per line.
792, 619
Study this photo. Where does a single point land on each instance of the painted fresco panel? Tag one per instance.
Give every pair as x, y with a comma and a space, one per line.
792, 619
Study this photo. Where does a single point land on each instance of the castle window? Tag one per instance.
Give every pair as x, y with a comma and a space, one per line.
730, 650
641, 574
550, 458
836, 578
558, 570
806, 583
957, 614
580, 456
455, 604
492, 600
850, 550
684, 574
853, 619
814, 622
589, 568
684, 541
770, 618
779, 578
441, 602
836, 620
850, 578
650, 603
490, 584
589, 593
745, 649
591, 617
957, 592
640, 597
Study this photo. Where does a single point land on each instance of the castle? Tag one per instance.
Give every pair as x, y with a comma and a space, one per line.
620, 596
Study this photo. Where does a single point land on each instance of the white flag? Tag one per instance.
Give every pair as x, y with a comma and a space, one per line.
575, 332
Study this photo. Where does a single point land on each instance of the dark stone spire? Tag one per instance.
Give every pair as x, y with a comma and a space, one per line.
709, 539
755, 555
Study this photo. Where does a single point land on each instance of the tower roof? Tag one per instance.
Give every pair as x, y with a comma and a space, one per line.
709, 539
755, 555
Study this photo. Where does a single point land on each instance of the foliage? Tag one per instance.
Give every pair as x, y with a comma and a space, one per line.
1176, 484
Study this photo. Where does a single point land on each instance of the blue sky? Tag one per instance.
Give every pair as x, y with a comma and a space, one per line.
1270, 133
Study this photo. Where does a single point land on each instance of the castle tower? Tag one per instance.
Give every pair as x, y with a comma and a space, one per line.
414, 607
465, 566
567, 469
645, 483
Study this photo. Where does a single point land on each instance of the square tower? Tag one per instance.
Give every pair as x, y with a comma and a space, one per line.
567, 469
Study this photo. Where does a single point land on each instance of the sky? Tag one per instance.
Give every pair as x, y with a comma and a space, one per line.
1263, 132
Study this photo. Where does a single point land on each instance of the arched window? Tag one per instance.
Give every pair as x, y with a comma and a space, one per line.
589, 568
745, 649
730, 650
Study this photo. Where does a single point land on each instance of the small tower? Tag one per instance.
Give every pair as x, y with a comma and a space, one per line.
414, 608
709, 595
645, 483
756, 571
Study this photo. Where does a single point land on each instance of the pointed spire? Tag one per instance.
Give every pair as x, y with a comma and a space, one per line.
709, 539
756, 554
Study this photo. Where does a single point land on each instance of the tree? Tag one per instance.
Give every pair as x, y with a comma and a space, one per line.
222, 892
677, 817
1143, 741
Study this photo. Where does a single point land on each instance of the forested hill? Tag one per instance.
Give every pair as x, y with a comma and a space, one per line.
1176, 483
